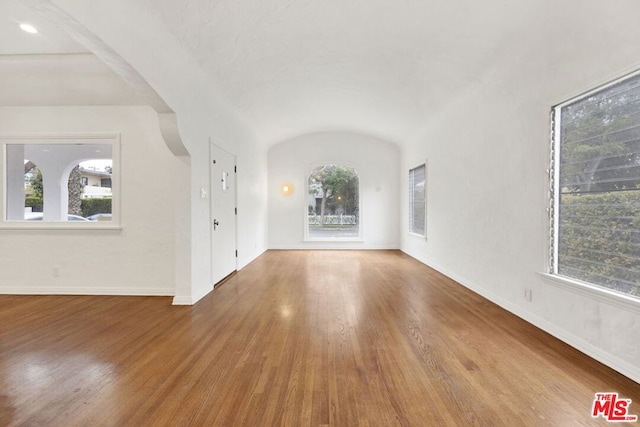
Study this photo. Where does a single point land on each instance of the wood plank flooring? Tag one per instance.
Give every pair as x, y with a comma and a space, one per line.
297, 338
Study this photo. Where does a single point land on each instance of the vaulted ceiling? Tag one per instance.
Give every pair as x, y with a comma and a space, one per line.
51, 67
374, 66
291, 67
50, 39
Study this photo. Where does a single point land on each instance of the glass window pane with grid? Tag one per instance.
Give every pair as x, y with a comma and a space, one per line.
597, 187
417, 201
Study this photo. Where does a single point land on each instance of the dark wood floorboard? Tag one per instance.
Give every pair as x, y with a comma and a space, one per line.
297, 338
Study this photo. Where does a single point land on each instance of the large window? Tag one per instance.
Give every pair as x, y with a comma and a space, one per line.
333, 204
418, 200
58, 180
596, 187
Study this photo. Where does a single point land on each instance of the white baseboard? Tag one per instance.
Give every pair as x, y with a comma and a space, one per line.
121, 291
622, 366
182, 300
349, 246
192, 299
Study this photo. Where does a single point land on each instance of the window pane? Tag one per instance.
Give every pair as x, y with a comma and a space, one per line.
599, 187
58, 182
417, 200
333, 208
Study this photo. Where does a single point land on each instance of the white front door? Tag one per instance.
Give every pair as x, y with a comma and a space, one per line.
223, 213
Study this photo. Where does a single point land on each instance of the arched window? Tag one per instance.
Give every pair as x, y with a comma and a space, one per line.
333, 209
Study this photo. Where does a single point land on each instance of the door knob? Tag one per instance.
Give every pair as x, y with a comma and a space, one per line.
215, 224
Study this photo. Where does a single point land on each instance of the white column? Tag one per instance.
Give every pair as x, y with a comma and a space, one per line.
15, 182
56, 192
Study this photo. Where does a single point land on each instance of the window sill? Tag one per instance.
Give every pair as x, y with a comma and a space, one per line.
346, 240
57, 226
618, 299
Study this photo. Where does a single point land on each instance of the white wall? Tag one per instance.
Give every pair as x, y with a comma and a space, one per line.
203, 117
487, 182
487, 151
137, 260
376, 163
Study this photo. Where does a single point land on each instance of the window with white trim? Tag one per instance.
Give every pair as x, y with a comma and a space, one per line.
333, 203
59, 181
596, 187
418, 200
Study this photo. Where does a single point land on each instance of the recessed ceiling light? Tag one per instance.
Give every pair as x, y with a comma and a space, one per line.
28, 28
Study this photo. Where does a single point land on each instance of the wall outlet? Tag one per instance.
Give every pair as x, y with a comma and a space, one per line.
56, 271
528, 294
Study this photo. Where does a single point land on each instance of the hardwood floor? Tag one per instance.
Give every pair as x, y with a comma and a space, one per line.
340, 338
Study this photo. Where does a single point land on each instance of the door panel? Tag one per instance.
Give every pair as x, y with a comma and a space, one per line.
223, 213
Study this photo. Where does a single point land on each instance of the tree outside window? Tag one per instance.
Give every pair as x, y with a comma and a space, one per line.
597, 187
333, 209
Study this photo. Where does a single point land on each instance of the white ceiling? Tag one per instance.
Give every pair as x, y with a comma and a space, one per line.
50, 67
49, 40
291, 67
380, 67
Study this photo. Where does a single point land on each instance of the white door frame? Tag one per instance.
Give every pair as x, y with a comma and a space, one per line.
213, 145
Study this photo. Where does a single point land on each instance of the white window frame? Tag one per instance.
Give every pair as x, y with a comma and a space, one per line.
552, 276
63, 139
411, 203
307, 237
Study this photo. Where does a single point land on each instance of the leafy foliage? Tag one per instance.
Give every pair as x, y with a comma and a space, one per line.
600, 145
36, 185
338, 186
599, 239
35, 203
598, 236
95, 205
